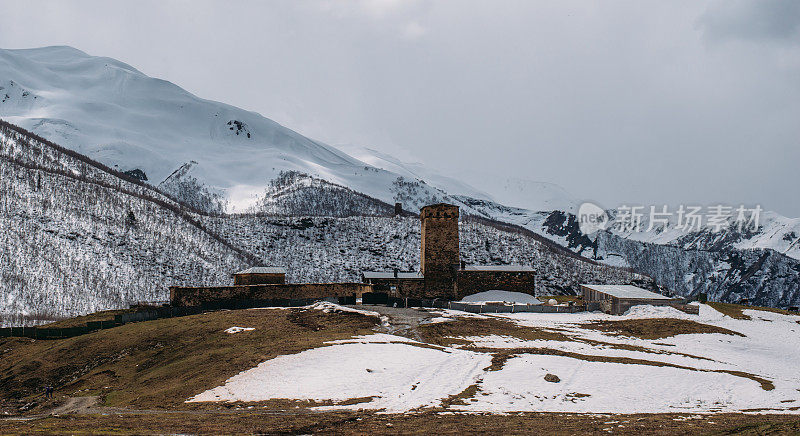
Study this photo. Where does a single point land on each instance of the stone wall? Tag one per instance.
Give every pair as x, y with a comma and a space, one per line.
194, 296
472, 282
411, 288
259, 279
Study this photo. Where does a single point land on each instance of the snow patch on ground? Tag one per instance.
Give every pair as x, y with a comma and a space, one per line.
507, 296
399, 377
438, 319
601, 387
329, 307
234, 330
683, 373
378, 338
648, 311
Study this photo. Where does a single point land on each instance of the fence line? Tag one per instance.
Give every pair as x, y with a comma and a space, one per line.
150, 314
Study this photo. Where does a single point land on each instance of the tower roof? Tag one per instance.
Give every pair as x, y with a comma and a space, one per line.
262, 270
439, 206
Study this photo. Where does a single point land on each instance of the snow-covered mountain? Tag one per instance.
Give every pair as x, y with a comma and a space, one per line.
771, 231
77, 237
214, 157
729, 265
515, 192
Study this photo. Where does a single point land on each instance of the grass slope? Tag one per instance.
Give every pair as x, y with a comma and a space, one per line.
417, 423
161, 363
735, 310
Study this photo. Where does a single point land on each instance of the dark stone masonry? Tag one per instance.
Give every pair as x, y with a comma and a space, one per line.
195, 296
442, 275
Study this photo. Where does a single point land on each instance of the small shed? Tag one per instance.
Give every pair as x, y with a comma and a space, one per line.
617, 299
260, 275
395, 283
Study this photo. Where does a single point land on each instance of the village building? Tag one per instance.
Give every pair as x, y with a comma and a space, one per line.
395, 283
442, 273
617, 299
260, 275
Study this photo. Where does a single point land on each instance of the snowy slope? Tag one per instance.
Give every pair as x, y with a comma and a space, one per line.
209, 154
414, 171
774, 232
75, 238
216, 157
746, 365
117, 115
520, 194
525, 193
324, 249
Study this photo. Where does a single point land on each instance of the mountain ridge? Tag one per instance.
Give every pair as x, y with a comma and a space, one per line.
215, 158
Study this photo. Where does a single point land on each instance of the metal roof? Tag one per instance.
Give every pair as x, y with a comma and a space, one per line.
390, 275
627, 291
511, 268
263, 270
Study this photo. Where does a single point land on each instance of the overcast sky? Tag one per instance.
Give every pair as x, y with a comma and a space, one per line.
616, 101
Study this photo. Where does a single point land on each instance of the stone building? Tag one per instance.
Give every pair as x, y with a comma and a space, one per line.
395, 283
617, 299
442, 274
260, 275
472, 279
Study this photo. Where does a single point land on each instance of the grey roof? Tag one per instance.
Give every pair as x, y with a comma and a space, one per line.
627, 291
390, 275
263, 270
512, 268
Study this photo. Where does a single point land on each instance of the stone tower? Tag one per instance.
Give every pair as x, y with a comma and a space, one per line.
440, 248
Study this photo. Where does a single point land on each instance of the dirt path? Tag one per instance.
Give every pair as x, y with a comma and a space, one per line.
402, 321
77, 405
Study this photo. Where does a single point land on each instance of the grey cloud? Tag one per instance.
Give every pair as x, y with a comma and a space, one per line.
753, 19
618, 101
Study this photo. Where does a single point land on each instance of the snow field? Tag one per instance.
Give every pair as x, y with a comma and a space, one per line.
600, 387
401, 374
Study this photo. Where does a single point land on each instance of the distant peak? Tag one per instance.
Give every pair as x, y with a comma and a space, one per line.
50, 50
63, 54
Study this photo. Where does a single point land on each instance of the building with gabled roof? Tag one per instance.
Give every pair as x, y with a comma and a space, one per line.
617, 299
260, 275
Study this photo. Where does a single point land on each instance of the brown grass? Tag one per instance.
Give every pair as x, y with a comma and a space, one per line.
79, 321
735, 310
413, 424
499, 360
460, 399
447, 333
266, 405
629, 347
656, 328
163, 362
